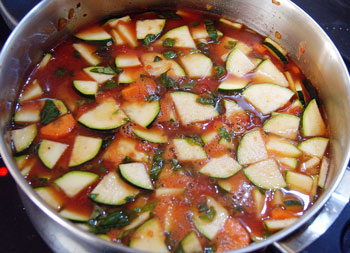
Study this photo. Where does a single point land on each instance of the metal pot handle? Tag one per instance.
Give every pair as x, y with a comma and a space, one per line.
14, 10
328, 214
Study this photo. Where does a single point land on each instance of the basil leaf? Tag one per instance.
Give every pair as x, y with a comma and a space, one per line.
209, 215
170, 55
102, 169
49, 112
157, 164
231, 44
209, 249
224, 134
169, 15
179, 249
210, 26
103, 52
76, 54
166, 81
60, 72
219, 71
205, 101
106, 141
152, 98
168, 42
189, 85
129, 199
157, 59
195, 51
149, 39
203, 207
196, 140
108, 70
175, 165
149, 207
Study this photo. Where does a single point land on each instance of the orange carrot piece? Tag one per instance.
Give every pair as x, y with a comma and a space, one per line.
232, 236
280, 214
59, 127
132, 93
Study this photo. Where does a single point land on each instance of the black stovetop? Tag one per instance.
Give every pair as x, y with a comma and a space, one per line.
16, 231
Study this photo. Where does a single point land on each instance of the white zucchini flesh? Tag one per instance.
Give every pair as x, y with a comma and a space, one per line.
112, 190
84, 149
251, 148
259, 199
114, 21
186, 150
50, 152
191, 244
232, 84
122, 61
149, 26
288, 161
274, 225
312, 162
244, 48
267, 97
221, 167
276, 45
136, 174
149, 237
127, 76
88, 53
45, 60
154, 136
124, 147
142, 113
94, 33
106, 115
284, 125
299, 182
312, 122
142, 218
31, 91
98, 77
74, 182
282, 147
86, 87
231, 108
265, 174
59, 105
74, 215
23, 138
27, 114
181, 35
197, 65
323, 172
127, 34
315, 146
238, 63
169, 191
210, 228
24, 164
50, 196
199, 32
230, 23
210, 136
189, 110
118, 40
269, 73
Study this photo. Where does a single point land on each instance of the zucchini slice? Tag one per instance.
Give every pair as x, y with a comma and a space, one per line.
299, 182
315, 146
312, 122
112, 190
267, 97
23, 138
259, 199
88, 88
106, 115
142, 113
118, 40
210, 228
231, 108
74, 182
267, 72
149, 26
100, 74
169, 191
136, 174
27, 114
311, 163
50, 196
276, 49
181, 35
44, 61
154, 136
251, 148
88, 53
323, 172
84, 149
31, 91
187, 150
210, 136
197, 65
114, 21
284, 125
274, 225
238, 63
127, 76
230, 23
291, 162
93, 34
282, 147
149, 237
50, 152
233, 84
122, 61
142, 218
127, 33
189, 110
265, 174
190, 244
74, 215
222, 167
59, 105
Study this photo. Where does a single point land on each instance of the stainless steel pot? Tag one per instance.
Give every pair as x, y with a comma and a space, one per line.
321, 63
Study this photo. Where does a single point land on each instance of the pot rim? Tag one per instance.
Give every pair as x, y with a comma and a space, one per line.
29, 191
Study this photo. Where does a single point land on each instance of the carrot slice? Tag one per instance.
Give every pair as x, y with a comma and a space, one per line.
140, 90
280, 214
59, 127
232, 236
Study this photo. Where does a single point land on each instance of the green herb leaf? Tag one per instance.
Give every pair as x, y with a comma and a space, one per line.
168, 42
180, 53
108, 70
137, 209
195, 140
71, 73
202, 46
175, 165
169, 15
224, 134
195, 51
157, 59
103, 52
166, 81
208, 215
127, 159
49, 112
210, 26
76, 54
152, 98
203, 207
108, 85
219, 71
149, 206
189, 85
93, 196
194, 23
157, 164
205, 101
179, 249
210, 249
149, 39
129, 199
106, 141
231, 44
60, 72
80, 102
170, 55
102, 168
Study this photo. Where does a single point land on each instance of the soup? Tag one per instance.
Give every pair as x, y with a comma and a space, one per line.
172, 131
